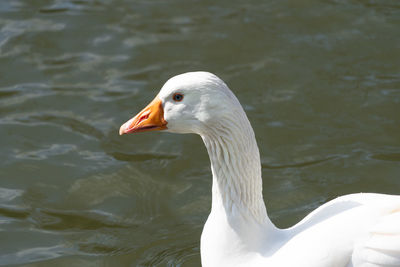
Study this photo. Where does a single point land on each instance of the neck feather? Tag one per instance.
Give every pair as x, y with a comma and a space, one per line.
236, 169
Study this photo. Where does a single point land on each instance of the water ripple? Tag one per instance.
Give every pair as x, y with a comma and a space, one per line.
35, 254
387, 156
52, 150
14, 28
19, 94
64, 220
138, 157
7, 194
301, 164
14, 212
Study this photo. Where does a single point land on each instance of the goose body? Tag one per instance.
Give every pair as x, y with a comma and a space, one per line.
350, 231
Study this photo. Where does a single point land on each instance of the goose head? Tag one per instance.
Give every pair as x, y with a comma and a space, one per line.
187, 103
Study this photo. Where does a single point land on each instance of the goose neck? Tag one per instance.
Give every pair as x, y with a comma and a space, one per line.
236, 169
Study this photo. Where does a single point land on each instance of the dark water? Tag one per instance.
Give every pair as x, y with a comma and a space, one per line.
320, 81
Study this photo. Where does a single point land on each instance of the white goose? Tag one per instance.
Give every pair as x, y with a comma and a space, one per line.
352, 230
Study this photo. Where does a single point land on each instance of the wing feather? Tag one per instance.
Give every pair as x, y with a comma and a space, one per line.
382, 247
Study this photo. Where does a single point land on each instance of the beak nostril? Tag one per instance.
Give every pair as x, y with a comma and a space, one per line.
142, 118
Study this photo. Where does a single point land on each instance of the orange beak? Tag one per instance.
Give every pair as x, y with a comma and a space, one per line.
151, 118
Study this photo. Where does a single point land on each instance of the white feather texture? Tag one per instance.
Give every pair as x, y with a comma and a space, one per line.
354, 230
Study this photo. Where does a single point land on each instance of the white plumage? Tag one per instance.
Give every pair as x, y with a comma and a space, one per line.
351, 231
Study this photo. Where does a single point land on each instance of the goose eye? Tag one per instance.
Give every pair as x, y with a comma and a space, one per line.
177, 97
